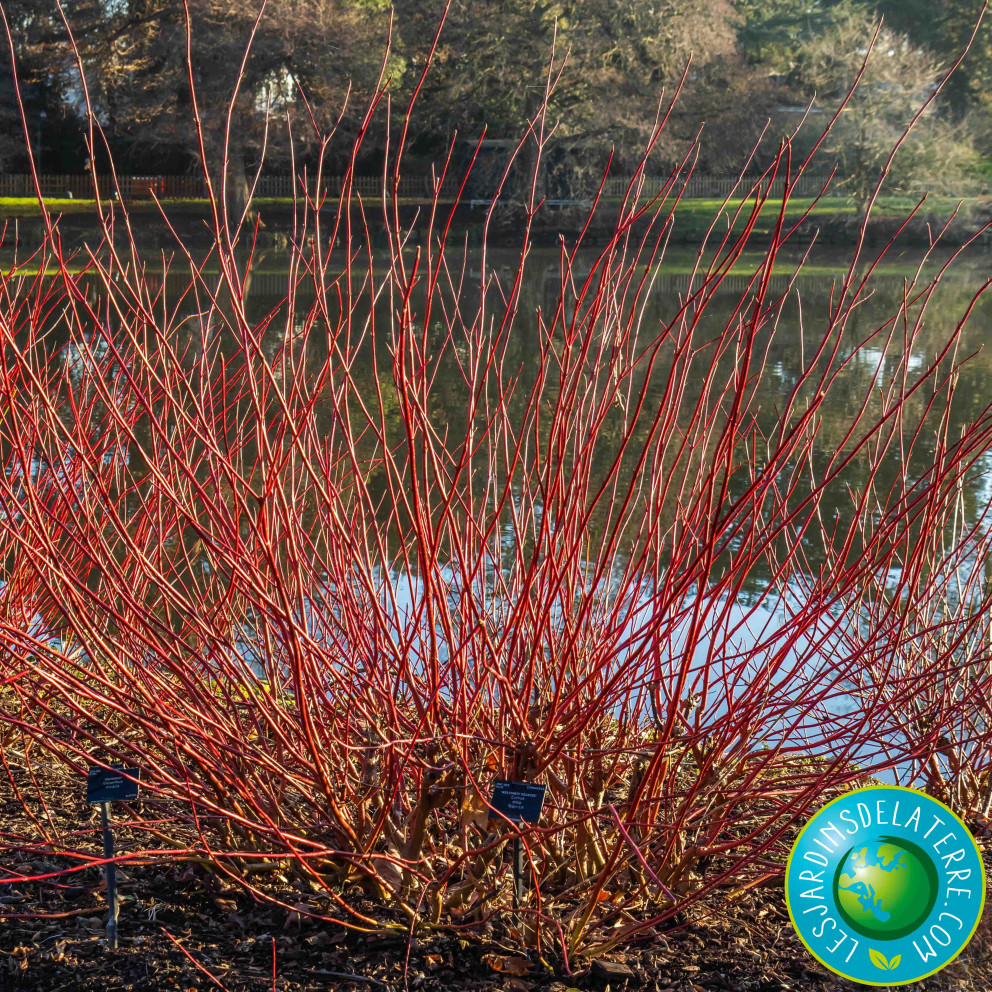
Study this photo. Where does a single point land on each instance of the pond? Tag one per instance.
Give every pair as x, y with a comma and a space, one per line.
870, 360
750, 640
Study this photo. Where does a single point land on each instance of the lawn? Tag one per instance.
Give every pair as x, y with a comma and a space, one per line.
698, 210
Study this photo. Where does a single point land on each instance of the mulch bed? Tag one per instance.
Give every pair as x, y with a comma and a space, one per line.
183, 927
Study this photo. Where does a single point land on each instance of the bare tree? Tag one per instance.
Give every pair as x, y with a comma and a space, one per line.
314, 52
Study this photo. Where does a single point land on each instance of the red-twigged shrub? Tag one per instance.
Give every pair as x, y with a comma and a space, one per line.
258, 560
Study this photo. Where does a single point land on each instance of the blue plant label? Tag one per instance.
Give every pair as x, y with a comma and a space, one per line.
518, 800
105, 785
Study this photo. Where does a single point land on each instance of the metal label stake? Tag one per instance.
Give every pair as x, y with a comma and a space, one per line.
111, 872
104, 786
518, 873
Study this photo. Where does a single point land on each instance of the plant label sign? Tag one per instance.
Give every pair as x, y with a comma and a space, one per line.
105, 785
518, 800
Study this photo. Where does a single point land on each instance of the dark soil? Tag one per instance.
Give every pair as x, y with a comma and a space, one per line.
184, 927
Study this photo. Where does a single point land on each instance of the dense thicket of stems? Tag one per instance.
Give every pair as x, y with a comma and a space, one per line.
251, 557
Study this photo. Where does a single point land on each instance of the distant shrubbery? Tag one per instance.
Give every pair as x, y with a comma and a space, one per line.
753, 61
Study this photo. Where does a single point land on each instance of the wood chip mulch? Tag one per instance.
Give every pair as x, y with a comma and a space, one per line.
182, 927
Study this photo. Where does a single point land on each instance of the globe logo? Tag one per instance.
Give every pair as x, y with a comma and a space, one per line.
885, 888
885, 885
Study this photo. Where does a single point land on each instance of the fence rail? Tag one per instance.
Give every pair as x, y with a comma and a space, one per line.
193, 187
715, 186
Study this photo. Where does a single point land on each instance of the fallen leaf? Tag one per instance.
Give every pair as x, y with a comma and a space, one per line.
474, 810
507, 965
295, 915
390, 874
323, 939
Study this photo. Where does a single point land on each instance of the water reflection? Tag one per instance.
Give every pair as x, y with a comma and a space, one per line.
296, 341
757, 642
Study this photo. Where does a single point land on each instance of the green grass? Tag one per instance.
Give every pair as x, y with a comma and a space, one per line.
701, 209
836, 215
699, 213
677, 261
28, 206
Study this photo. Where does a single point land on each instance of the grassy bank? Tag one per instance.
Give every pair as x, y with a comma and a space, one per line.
692, 214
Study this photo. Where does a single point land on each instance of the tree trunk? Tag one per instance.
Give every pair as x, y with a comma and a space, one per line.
237, 177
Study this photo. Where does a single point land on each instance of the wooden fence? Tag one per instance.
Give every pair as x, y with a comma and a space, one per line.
421, 187
715, 187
